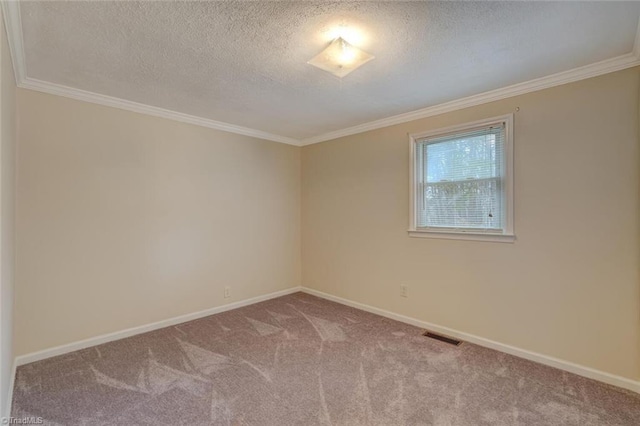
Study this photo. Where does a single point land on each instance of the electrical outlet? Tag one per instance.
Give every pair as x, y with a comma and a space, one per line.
404, 290
227, 292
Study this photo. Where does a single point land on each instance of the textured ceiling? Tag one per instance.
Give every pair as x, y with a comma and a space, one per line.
244, 63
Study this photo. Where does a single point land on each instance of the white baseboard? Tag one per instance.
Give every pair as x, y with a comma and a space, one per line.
622, 382
601, 376
98, 340
12, 381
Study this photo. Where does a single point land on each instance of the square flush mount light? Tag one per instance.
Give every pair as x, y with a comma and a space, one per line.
340, 58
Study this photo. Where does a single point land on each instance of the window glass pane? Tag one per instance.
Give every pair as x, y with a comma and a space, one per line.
472, 157
471, 204
460, 180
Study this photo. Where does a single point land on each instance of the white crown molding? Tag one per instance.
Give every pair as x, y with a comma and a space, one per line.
581, 370
96, 98
618, 63
13, 23
607, 66
593, 70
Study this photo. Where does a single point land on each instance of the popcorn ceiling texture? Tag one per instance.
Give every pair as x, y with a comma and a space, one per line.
300, 360
245, 62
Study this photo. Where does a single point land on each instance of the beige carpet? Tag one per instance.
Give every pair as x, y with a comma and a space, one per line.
300, 360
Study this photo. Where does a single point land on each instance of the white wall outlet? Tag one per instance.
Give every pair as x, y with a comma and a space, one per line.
404, 290
227, 292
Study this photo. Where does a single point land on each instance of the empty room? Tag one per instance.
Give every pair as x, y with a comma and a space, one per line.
320, 213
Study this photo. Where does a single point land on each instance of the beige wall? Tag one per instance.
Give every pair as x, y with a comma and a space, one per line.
126, 219
569, 287
7, 207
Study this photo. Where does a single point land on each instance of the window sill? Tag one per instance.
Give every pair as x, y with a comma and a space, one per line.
470, 236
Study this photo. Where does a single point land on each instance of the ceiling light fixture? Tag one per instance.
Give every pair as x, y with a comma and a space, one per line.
340, 58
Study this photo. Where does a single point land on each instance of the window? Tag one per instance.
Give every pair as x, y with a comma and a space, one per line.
462, 182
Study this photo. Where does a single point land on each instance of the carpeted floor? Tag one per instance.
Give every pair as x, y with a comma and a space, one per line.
300, 360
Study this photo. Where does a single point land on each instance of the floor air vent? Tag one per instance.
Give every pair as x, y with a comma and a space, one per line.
449, 340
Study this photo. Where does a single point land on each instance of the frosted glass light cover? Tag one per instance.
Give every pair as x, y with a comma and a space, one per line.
340, 58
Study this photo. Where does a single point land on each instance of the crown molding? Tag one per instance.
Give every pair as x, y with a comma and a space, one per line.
607, 66
618, 63
13, 24
96, 98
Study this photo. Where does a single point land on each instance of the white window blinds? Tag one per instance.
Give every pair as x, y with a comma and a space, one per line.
460, 180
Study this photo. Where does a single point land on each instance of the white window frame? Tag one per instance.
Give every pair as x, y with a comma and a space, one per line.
507, 235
